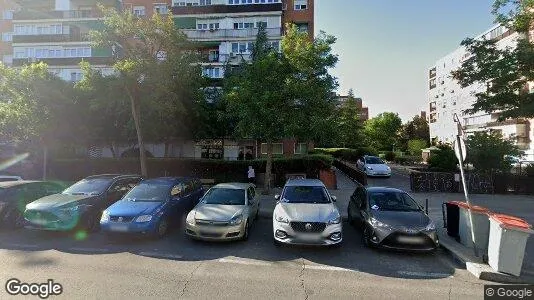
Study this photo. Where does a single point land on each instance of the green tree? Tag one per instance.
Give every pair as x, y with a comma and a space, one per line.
381, 131
38, 108
350, 127
505, 72
443, 160
489, 151
283, 94
416, 129
155, 68
416, 146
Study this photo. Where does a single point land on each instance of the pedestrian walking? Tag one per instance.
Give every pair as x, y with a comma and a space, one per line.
251, 175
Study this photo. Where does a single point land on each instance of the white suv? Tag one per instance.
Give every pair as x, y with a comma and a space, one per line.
306, 214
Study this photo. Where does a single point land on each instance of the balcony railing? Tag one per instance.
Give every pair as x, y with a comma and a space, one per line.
225, 9
64, 14
63, 61
51, 38
218, 34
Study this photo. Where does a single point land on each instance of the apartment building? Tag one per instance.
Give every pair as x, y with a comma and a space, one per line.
7, 9
364, 111
56, 32
446, 98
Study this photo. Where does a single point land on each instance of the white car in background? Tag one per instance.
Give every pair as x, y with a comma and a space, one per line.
374, 166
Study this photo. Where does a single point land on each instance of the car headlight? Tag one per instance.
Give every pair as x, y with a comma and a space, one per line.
71, 210
143, 218
105, 216
431, 226
336, 220
281, 219
236, 220
375, 223
369, 168
190, 218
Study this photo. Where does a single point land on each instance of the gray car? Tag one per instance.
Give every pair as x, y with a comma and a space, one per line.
306, 214
390, 218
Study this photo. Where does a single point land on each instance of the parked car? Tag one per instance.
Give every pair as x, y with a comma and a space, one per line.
390, 218
80, 205
14, 195
306, 214
4, 178
373, 166
226, 212
152, 206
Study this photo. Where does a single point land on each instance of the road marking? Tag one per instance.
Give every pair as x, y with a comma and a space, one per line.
22, 245
161, 255
243, 262
425, 274
328, 268
88, 249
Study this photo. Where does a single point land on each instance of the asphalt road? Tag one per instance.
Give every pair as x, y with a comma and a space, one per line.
175, 267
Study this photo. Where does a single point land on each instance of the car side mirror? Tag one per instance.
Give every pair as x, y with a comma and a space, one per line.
334, 198
277, 197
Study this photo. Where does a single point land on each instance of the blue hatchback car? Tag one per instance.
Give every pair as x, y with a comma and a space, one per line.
152, 206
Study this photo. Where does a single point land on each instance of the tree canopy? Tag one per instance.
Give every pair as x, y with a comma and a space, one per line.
382, 131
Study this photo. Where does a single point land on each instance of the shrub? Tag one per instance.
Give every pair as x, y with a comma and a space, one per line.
443, 160
347, 154
416, 146
529, 170
407, 160
389, 156
491, 151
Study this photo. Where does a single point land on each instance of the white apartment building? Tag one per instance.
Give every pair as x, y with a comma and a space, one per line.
446, 98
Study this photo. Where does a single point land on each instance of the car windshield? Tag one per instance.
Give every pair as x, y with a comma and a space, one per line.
374, 161
392, 201
149, 192
225, 196
305, 194
88, 187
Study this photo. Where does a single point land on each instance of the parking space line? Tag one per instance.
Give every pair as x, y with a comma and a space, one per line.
88, 249
161, 255
244, 262
328, 268
425, 274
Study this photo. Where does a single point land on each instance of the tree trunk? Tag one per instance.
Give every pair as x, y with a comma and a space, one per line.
136, 113
268, 168
112, 148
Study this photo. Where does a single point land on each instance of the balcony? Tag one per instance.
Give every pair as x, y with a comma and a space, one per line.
64, 61
220, 34
51, 38
55, 14
226, 9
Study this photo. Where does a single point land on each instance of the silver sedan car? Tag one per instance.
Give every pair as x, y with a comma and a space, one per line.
390, 218
307, 215
226, 212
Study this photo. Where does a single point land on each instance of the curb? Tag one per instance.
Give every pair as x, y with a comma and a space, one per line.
481, 270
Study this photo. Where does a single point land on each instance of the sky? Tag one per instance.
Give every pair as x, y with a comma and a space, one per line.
386, 47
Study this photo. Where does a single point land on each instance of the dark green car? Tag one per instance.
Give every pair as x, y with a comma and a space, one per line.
15, 195
80, 205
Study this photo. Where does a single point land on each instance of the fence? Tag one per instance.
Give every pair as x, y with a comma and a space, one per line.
351, 171
477, 183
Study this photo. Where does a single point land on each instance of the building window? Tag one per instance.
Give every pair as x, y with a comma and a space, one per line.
8, 14
243, 25
301, 148
302, 27
139, 11
75, 76
206, 26
161, 8
278, 148
213, 72
301, 4
205, 2
7, 37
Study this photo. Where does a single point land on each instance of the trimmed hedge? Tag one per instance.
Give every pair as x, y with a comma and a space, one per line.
346, 154
220, 170
407, 160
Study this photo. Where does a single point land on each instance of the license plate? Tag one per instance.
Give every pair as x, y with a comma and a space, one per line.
409, 240
39, 221
308, 237
118, 227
